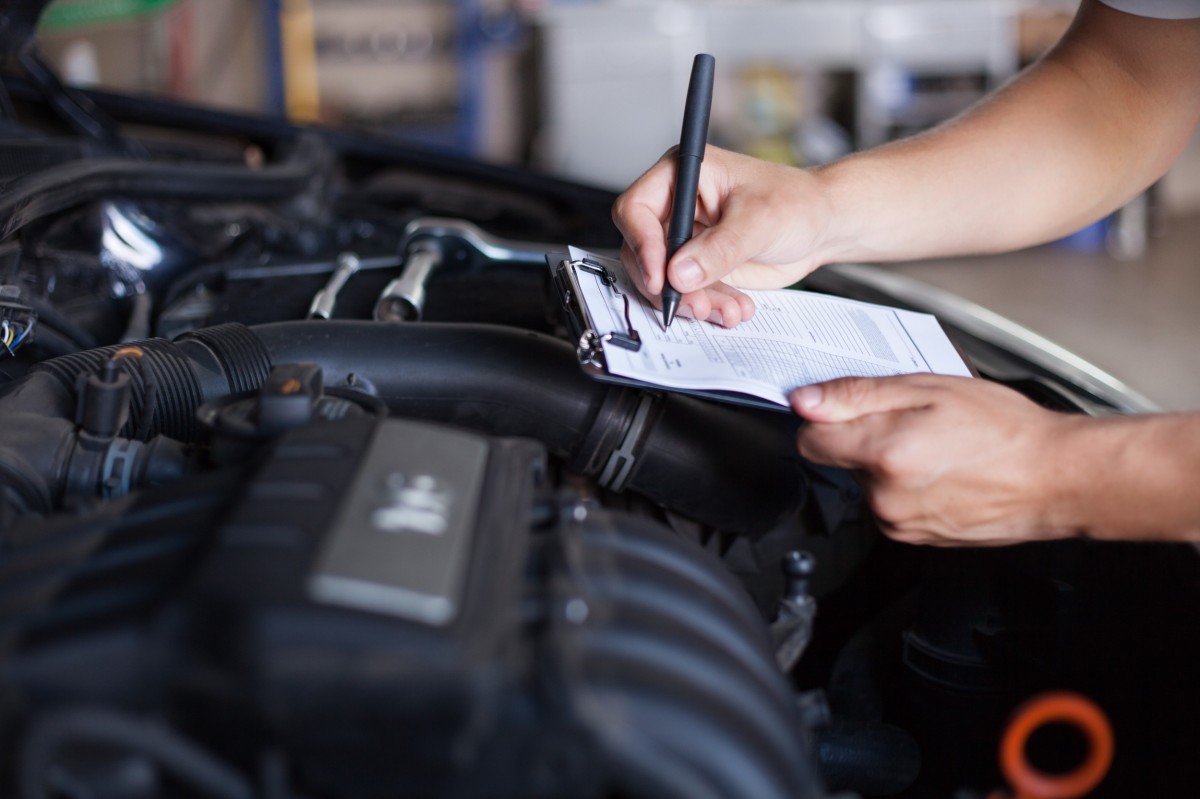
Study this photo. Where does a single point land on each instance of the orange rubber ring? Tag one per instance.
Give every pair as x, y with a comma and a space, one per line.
1067, 708
128, 351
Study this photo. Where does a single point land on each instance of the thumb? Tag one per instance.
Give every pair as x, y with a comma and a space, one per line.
849, 398
742, 235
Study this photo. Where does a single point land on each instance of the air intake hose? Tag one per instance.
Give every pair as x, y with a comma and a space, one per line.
731, 468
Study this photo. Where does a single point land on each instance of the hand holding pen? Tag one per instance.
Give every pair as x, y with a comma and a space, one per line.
667, 194
756, 225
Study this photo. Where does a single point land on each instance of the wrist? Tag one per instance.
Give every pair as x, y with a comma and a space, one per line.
841, 229
1070, 475
1127, 477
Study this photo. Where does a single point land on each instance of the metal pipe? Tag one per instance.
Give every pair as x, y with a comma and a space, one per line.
326, 299
403, 299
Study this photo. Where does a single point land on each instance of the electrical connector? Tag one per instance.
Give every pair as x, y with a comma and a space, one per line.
17, 320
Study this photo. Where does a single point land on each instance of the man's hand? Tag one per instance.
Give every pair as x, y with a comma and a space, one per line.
1125, 97
945, 460
758, 225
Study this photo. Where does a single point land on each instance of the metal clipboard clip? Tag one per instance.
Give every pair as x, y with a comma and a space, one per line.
590, 346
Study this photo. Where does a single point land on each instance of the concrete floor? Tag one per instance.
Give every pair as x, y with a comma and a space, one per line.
1137, 320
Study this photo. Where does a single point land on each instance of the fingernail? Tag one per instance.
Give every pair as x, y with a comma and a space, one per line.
688, 274
717, 318
809, 397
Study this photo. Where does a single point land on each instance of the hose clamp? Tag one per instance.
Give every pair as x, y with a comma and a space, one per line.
616, 471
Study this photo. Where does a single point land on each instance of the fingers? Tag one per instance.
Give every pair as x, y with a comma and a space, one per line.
641, 211
849, 445
850, 398
637, 274
720, 304
638, 215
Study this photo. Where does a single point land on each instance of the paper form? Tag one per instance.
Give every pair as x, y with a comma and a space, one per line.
795, 338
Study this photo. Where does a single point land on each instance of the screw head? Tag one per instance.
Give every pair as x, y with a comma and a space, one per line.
798, 563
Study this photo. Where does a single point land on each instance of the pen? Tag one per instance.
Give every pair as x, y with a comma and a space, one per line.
692, 139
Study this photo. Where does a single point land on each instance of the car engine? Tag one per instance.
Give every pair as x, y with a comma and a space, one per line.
303, 493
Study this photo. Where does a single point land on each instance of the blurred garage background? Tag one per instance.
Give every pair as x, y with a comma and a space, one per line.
592, 90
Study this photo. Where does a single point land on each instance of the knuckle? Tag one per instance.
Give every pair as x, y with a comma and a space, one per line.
892, 463
808, 442
881, 509
731, 312
620, 207
746, 305
887, 510
846, 392
853, 389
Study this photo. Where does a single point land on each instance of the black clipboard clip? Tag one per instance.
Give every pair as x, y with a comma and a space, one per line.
590, 344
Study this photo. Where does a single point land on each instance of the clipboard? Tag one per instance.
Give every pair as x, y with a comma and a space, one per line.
590, 340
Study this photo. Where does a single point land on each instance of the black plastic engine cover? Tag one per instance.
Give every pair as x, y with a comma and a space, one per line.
372, 636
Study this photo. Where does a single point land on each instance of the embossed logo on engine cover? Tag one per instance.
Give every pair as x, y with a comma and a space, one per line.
418, 504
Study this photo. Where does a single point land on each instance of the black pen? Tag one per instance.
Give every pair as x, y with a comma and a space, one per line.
687, 172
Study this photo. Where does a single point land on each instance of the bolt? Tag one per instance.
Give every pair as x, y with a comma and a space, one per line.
798, 569
576, 611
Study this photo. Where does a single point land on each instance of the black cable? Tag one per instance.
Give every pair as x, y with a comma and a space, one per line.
50, 734
58, 188
76, 108
48, 314
51, 342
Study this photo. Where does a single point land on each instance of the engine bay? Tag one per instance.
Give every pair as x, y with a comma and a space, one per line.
304, 494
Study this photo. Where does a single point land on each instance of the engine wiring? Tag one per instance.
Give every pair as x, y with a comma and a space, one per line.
13, 335
17, 320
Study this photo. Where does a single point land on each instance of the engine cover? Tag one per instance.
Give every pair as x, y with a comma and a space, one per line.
374, 636
402, 609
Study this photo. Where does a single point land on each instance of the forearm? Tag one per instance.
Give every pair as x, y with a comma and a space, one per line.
1068, 141
1129, 478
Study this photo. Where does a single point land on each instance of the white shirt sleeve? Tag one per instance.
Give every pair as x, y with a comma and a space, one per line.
1160, 9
